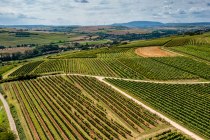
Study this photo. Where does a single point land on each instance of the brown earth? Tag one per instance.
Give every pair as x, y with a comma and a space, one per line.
15, 50
131, 31
154, 51
111, 30
82, 38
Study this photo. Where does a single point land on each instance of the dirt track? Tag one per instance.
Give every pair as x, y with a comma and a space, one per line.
174, 124
154, 51
9, 116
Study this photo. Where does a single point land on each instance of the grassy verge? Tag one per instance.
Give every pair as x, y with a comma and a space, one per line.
19, 127
3, 117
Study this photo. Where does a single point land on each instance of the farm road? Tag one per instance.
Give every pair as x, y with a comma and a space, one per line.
173, 123
9, 116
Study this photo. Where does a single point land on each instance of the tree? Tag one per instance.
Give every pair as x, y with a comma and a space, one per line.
6, 134
2, 47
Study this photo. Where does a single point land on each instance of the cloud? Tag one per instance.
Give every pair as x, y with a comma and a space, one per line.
92, 12
168, 2
22, 16
81, 1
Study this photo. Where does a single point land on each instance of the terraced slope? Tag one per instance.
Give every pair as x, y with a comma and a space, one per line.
26, 69
202, 52
188, 40
188, 104
74, 107
167, 68
169, 135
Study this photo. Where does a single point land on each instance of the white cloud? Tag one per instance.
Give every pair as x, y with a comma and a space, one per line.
91, 12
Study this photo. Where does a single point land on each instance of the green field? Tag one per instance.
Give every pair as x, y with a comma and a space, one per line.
104, 52
146, 43
202, 52
8, 39
5, 68
188, 65
169, 135
26, 69
56, 105
83, 108
188, 104
3, 117
126, 50
169, 68
5, 133
97, 42
188, 40
103, 67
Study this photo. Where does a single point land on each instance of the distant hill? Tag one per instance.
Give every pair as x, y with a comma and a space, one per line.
188, 24
140, 24
132, 24
150, 24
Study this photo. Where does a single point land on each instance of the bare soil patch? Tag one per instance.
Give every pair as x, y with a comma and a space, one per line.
15, 50
154, 51
129, 31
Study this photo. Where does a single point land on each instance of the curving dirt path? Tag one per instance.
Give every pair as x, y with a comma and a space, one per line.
9, 116
146, 81
174, 124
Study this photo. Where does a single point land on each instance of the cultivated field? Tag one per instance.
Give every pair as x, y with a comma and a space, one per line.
188, 40
154, 51
3, 117
8, 39
169, 135
167, 68
70, 100
186, 103
25, 69
110, 30
146, 43
5, 68
75, 107
104, 52
202, 52
15, 50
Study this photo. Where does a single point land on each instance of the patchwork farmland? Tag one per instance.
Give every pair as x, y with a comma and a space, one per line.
114, 93
191, 111
75, 107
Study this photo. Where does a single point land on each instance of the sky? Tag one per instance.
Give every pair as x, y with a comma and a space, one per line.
101, 12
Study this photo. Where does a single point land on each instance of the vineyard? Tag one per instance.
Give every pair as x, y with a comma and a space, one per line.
105, 67
169, 135
57, 102
146, 43
137, 68
126, 50
118, 53
105, 52
188, 65
75, 107
182, 41
152, 69
202, 52
6, 68
26, 69
188, 104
